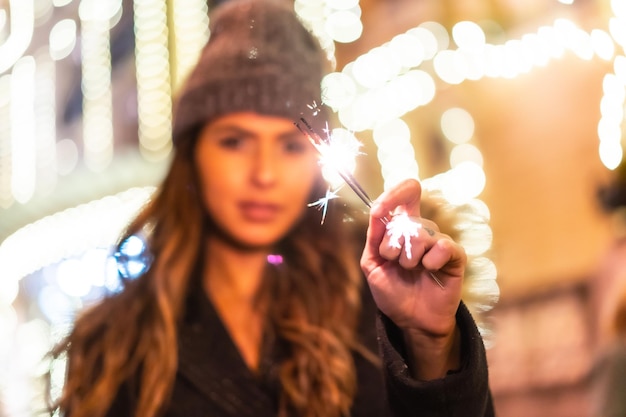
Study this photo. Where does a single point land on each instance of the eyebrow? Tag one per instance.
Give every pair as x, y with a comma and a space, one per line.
232, 128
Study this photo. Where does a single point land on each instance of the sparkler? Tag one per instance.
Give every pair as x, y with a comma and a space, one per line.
324, 146
400, 225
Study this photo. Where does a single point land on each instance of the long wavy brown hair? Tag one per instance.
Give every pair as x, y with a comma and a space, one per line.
133, 334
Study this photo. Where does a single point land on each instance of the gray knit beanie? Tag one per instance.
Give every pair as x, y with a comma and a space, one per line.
258, 58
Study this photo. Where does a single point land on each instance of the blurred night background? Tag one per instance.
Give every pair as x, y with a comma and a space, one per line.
514, 106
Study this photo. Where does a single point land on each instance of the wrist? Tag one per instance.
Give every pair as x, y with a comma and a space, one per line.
432, 356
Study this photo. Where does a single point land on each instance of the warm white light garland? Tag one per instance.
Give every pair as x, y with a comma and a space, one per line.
23, 140
612, 105
154, 89
22, 26
191, 32
45, 124
6, 196
331, 21
69, 233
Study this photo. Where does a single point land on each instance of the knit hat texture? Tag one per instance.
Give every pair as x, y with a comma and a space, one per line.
259, 58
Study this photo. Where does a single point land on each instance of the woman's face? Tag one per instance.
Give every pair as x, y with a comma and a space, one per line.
256, 174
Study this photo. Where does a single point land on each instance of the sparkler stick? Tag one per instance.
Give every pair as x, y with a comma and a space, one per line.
323, 146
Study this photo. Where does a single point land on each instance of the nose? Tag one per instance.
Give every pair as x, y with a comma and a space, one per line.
266, 166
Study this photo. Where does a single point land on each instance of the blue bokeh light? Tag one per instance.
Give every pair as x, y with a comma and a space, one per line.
132, 257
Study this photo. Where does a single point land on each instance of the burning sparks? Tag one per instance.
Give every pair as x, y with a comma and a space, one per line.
337, 156
322, 203
337, 153
403, 226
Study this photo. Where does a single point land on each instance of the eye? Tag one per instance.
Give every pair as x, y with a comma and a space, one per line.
296, 146
231, 142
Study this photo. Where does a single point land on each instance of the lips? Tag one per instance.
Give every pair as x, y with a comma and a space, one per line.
258, 211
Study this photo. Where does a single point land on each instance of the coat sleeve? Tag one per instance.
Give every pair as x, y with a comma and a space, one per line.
463, 393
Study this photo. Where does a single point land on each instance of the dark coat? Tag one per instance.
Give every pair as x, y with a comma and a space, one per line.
214, 381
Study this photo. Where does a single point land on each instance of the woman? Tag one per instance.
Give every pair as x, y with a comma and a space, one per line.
213, 328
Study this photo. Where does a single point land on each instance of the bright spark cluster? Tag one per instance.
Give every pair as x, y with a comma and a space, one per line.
403, 226
337, 151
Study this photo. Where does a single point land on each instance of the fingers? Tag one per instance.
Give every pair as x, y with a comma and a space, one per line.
371, 258
445, 254
414, 242
407, 239
405, 197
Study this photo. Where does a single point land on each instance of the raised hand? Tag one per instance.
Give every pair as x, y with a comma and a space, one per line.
399, 273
